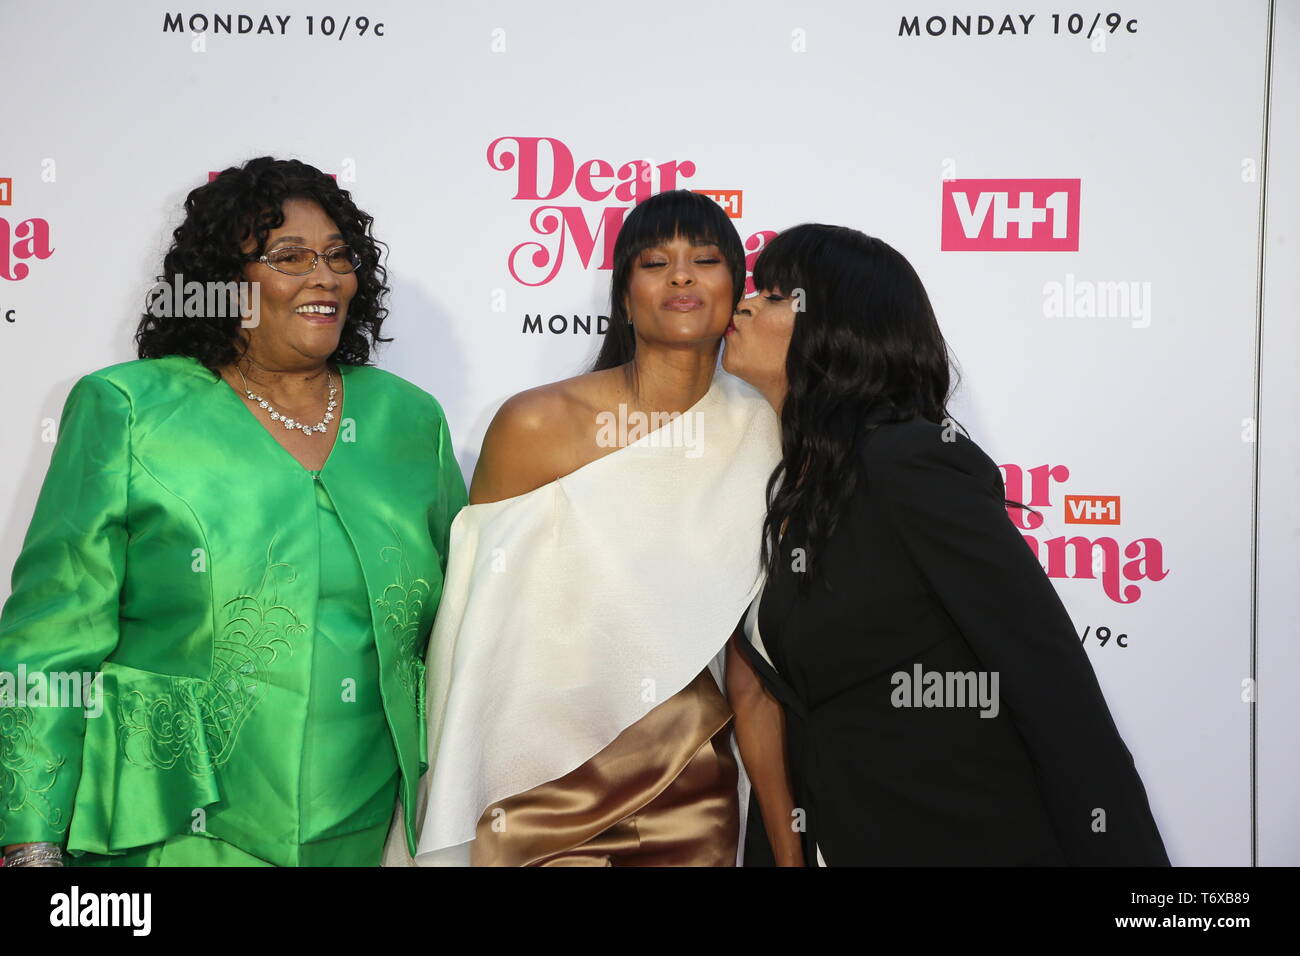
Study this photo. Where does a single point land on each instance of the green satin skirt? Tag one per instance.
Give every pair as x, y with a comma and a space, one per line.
363, 848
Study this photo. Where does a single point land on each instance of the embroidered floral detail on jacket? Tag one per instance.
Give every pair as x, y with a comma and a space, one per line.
161, 731
25, 778
404, 602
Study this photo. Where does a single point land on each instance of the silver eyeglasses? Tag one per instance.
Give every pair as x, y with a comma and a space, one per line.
301, 261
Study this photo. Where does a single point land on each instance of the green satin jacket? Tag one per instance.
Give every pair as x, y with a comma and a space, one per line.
173, 552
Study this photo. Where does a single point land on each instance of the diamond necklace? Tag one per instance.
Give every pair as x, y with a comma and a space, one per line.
284, 419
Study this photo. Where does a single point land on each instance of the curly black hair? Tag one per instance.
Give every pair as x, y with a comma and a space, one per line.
206, 247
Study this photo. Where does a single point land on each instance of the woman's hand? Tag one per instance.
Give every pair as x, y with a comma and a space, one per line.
760, 735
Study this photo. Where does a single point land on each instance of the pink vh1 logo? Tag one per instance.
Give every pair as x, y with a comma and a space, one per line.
996, 215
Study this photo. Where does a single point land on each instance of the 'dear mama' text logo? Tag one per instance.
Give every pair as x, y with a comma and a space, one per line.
1100, 557
545, 172
20, 240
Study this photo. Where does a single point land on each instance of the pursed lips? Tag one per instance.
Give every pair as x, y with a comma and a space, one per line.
683, 303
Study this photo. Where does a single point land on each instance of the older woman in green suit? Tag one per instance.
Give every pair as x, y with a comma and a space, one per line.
242, 535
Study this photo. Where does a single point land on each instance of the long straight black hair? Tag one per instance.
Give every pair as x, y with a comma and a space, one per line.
658, 220
865, 350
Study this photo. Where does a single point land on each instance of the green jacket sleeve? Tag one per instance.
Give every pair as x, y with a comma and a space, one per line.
61, 619
454, 495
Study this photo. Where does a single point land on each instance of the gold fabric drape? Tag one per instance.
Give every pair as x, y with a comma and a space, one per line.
663, 793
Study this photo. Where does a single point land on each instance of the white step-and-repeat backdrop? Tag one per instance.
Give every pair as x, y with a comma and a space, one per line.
1083, 190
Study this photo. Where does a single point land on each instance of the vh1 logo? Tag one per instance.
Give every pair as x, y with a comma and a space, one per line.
731, 200
996, 215
1092, 509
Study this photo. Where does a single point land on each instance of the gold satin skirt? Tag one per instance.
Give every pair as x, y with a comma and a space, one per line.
663, 793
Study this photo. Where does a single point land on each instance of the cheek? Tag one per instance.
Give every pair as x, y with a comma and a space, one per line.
640, 294
720, 289
776, 342
278, 292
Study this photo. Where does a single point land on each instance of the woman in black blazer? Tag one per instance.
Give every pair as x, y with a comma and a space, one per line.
908, 687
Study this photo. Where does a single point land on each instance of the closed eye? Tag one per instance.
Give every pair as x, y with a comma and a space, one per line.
652, 265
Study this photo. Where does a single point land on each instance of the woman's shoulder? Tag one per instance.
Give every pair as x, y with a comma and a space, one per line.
538, 435
919, 449
743, 400
141, 374
390, 383
140, 384
553, 405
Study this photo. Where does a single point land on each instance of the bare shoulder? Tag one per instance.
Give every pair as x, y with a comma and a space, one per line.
537, 436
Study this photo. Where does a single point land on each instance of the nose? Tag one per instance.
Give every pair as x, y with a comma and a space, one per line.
682, 275
323, 275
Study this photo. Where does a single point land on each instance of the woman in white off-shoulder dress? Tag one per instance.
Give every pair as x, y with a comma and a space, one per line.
575, 706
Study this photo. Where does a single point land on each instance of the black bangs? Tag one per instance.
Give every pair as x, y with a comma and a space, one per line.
680, 213
783, 263
658, 221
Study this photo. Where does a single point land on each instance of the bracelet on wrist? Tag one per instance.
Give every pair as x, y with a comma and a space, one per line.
35, 854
